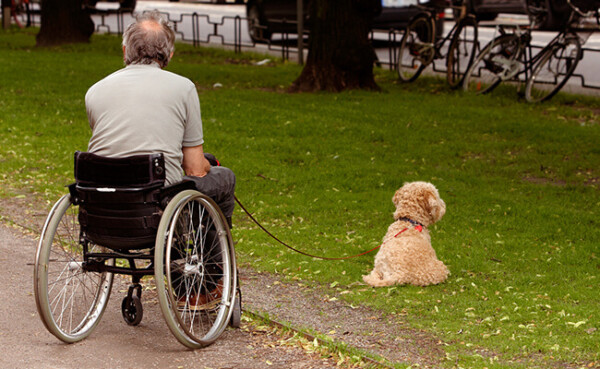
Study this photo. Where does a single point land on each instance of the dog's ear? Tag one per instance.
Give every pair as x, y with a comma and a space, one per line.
435, 206
396, 198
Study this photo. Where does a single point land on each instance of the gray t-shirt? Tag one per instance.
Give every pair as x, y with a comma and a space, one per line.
142, 109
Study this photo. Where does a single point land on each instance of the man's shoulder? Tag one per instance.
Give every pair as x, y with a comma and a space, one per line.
177, 78
108, 78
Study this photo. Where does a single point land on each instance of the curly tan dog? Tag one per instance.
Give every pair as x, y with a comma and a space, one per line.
406, 255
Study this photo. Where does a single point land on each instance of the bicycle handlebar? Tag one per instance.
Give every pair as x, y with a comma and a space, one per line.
585, 14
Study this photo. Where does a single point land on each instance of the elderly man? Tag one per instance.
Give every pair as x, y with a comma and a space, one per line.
143, 109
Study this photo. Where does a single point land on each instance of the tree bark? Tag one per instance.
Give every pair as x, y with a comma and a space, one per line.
340, 55
64, 21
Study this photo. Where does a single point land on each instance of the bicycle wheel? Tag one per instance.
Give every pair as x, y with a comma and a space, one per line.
497, 62
554, 69
258, 32
70, 300
416, 48
194, 266
463, 48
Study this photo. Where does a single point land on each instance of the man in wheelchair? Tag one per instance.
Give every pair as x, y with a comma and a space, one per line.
143, 109
146, 202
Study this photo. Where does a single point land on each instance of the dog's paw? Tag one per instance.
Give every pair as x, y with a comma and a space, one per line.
370, 279
375, 279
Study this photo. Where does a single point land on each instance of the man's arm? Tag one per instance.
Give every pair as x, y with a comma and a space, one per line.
194, 162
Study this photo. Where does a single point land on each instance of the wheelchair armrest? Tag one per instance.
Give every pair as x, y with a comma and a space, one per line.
73, 192
212, 159
167, 193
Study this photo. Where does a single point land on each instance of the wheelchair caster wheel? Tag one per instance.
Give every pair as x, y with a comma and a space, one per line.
236, 315
131, 307
132, 310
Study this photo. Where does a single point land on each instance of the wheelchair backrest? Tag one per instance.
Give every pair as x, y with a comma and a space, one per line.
119, 199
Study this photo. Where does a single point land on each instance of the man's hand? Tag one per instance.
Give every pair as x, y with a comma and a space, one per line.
194, 162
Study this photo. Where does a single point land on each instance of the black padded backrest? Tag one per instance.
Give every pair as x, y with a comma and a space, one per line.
134, 171
119, 199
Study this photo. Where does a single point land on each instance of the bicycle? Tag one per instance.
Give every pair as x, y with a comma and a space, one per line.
20, 8
509, 56
420, 46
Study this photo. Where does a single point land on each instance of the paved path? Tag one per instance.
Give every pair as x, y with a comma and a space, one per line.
26, 343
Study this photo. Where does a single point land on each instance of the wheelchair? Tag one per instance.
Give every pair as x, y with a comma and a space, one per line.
119, 218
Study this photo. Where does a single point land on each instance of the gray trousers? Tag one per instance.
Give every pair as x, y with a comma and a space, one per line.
219, 185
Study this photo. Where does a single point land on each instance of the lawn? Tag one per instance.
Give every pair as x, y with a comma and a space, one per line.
521, 234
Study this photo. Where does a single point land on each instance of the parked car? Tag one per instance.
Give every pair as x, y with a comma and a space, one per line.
218, 1
123, 4
557, 10
266, 17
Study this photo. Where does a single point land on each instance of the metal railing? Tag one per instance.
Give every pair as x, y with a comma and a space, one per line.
199, 29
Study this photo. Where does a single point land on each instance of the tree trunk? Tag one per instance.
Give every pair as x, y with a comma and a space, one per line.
340, 55
64, 21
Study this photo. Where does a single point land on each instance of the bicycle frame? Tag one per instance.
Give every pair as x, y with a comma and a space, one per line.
527, 58
421, 44
433, 15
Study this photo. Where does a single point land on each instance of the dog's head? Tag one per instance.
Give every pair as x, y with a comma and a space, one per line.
419, 201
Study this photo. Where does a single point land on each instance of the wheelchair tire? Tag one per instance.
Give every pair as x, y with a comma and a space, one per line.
195, 269
69, 299
236, 315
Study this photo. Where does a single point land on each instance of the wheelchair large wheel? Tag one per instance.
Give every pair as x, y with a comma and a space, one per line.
70, 300
195, 271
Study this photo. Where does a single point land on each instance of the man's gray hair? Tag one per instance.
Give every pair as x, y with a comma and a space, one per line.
149, 39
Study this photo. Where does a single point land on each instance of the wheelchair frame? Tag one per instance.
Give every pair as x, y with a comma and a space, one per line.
192, 259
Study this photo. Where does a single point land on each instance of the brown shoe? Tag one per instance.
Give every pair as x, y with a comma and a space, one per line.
201, 301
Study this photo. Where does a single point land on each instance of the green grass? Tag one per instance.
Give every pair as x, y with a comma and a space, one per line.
521, 233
